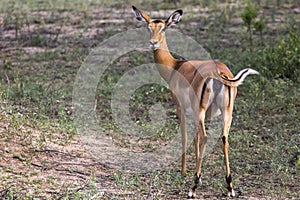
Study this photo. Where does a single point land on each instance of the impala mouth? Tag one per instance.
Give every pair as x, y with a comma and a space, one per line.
154, 46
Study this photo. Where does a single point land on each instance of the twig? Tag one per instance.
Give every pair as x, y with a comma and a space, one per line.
59, 31
8, 82
37, 165
55, 151
75, 172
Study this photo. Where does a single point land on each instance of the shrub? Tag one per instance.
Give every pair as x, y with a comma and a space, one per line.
248, 17
282, 60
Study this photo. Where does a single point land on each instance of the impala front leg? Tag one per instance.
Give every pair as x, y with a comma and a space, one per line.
200, 146
184, 143
182, 123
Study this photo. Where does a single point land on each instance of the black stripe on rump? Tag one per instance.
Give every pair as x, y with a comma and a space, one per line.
229, 93
202, 92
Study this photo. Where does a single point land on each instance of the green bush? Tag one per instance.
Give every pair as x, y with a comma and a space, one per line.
282, 60
248, 17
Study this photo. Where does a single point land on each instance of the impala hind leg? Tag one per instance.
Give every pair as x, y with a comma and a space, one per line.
227, 114
226, 157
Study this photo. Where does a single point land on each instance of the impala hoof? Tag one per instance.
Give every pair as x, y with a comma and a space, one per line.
231, 193
191, 194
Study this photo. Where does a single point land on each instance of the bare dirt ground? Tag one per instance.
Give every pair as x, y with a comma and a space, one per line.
55, 168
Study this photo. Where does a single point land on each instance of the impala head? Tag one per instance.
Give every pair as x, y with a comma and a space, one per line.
157, 27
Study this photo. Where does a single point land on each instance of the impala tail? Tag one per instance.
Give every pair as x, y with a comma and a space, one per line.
238, 79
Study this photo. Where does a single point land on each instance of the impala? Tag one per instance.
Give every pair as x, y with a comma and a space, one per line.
213, 85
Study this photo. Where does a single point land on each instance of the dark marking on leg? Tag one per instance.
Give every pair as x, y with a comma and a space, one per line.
229, 182
196, 182
197, 179
194, 187
224, 140
229, 179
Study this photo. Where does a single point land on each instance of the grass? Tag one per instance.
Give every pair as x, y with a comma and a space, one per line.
44, 44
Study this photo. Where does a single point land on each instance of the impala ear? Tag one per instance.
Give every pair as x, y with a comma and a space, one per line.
141, 16
174, 18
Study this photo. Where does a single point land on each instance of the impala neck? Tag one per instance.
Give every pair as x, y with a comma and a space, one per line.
166, 61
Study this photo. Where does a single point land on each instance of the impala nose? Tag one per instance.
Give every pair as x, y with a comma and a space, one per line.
154, 44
